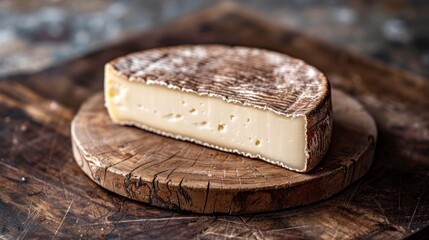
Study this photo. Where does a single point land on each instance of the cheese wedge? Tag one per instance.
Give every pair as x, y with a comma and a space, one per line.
253, 102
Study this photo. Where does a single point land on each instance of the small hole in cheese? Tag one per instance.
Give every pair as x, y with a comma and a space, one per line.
232, 117
193, 111
170, 115
203, 123
178, 115
257, 142
221, 127
248, 120
112, 93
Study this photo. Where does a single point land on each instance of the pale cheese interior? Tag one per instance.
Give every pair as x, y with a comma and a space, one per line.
208, 120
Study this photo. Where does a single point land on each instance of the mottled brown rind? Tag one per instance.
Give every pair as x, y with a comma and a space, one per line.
319, 133
251, 77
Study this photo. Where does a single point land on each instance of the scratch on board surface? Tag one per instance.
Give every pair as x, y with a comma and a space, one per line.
342, 212
28, 224
311, 226
140, 220
51, 152
418, 204
62, 220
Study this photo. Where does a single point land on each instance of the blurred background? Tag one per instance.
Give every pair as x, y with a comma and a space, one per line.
37, 34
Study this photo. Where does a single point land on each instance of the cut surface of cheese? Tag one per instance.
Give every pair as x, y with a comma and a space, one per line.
253, 102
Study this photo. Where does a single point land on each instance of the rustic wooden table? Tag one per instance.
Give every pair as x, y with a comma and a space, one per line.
44, 194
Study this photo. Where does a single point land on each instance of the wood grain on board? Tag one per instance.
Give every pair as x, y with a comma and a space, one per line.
45, 194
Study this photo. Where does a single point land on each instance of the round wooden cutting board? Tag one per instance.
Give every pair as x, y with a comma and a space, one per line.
180, 175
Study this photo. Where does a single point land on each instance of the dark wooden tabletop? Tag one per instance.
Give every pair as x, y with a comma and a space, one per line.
44, 194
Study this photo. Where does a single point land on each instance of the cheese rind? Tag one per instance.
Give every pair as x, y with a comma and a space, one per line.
147, 90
